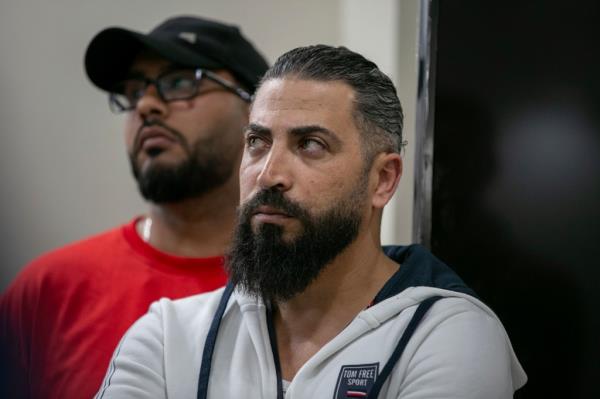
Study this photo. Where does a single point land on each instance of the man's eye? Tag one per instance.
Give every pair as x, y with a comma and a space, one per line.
311, 145
133, 90
135, 94
178, 84
255, 142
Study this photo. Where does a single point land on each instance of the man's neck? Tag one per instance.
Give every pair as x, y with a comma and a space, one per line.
196, 227
348, 285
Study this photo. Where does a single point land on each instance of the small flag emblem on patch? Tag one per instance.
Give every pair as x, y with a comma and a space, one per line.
355, 381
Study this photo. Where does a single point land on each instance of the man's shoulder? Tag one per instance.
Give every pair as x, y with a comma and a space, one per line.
175, 323
402, 306
99, 244
199, 307
71, 259
451, 332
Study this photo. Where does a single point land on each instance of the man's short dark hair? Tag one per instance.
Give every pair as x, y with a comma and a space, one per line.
377, 112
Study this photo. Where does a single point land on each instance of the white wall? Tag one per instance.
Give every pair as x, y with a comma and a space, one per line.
386, 31
63, 167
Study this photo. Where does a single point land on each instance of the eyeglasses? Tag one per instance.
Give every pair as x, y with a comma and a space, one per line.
170, 86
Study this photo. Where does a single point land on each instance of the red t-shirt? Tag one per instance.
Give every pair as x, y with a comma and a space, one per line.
63, 316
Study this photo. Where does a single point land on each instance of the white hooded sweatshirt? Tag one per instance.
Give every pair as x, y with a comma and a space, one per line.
459, 349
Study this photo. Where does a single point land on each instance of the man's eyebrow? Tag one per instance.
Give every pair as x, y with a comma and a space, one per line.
256, 128
298, 131
308, 129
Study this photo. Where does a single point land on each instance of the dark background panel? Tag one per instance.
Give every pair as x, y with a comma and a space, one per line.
516, 181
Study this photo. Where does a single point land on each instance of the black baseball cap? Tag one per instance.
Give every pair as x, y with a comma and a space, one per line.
185, 40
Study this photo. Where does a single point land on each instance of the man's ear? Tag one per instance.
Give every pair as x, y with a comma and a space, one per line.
386, 171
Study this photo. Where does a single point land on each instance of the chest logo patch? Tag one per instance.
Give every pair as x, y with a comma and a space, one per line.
355, 381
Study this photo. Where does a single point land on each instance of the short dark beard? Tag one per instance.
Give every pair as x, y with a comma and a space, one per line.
204, 169
265, 265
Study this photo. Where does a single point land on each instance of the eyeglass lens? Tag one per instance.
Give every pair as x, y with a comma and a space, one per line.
176, 85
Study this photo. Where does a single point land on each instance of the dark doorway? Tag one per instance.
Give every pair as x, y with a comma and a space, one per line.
516, 176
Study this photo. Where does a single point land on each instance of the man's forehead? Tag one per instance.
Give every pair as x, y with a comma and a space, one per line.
301, 98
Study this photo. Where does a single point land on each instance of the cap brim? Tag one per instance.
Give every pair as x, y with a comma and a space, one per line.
111, 52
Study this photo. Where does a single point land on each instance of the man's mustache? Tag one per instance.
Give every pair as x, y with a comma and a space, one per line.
274, 198
157, 122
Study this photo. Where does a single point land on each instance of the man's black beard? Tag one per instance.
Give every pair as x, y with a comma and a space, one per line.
204, 169
265, 265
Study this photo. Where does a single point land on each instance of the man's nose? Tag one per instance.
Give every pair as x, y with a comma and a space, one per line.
151, 104
276, 170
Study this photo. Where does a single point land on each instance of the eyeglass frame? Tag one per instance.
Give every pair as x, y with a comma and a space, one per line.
199, 74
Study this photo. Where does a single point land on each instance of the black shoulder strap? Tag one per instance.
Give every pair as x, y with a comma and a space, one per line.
209, 345
275, 350
410, 329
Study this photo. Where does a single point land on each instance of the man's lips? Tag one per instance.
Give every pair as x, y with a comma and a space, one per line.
154, 137
269, 214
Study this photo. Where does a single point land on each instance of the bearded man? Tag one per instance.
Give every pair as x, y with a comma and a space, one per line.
315, 307
185, 89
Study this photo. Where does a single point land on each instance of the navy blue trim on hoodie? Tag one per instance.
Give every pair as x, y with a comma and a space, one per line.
419, 268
